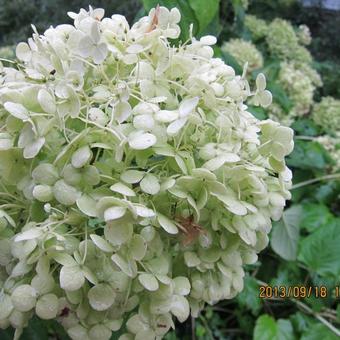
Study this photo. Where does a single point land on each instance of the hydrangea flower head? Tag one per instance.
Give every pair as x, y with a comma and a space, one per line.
326, 114
244, 52
304, 35
281, 39
257, 27
135, 185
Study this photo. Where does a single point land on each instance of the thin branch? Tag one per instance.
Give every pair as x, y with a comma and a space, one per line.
193, 329
317, 316
315, 180
204, 321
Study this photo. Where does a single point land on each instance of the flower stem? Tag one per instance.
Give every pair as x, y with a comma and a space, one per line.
315, 180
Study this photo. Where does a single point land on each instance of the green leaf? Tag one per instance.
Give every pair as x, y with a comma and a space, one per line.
308, 155
36, 330
320, 250
239, 14
268, 329
285, 234
280, 96
204, 14
231, 61
305, 127
249, 297
270, 70
319, 331
258, 112
314, 216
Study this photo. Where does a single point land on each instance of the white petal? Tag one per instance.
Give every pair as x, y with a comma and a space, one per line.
148, 281
166, 116
32, 149
101, 243
135, 48
150, 184
214, 164
143, 122
87, 205
265, 98
71, 278
132, 176
16, 110
86, 47
122, 189
118, 233
175, 126
122, 111
29, 234
182, 285
114, 213
167, 224
101, 297
261, 82
47, 306
127, 267
143, 211
137, 247
46, 101
142, 141
187, 106
81, 157
180, 307
23, 52
208, 40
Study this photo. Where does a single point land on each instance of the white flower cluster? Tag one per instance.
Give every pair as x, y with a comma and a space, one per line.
6, 52
283, 42
298, 86
304, 35
257, 27
326, 114
134, 184
296, 76
332, 145
244, 52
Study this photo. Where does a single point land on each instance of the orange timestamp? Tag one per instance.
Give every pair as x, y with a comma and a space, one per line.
297, 292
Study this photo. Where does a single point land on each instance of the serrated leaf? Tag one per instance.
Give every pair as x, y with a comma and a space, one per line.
204, 14
320, 250
267, 328
315, 216
285, 234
